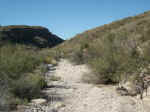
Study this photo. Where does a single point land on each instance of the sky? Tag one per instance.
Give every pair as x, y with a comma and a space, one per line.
67, 18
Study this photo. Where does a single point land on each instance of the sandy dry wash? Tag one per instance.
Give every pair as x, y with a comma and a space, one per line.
73, 95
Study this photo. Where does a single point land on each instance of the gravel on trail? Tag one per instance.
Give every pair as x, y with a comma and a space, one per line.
71, 94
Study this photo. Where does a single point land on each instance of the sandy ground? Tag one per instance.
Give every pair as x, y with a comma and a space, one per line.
71, 94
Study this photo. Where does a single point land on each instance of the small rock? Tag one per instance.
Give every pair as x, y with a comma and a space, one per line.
122, 91
59, 105
39, 101
50, 65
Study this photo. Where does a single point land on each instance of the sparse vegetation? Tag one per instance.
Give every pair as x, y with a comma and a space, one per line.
115, 52
23, 55
115, 58
17, 66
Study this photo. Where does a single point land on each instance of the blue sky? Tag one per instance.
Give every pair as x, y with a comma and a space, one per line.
67, 18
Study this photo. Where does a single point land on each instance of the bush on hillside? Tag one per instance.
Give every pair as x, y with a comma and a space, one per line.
111, 59
113, 49
118, 59
77, 57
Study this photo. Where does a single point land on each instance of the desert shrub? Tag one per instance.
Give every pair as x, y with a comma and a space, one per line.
14, 61
50, 60
84, 46
146, 54
28, 86
17, 73
77, 57
145, 36
53, 54
113, 59
4, 96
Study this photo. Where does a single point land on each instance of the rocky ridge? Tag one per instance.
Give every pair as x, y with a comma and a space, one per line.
29, 35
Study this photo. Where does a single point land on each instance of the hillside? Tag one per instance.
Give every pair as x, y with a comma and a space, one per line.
137, 27
116, 53
113, 51
23, 64
29, 35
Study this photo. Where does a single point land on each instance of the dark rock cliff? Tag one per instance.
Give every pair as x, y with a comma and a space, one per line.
29, 35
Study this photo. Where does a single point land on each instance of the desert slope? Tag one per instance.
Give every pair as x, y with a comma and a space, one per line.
121, 47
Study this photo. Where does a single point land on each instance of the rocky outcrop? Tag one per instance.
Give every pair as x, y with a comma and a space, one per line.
29, 35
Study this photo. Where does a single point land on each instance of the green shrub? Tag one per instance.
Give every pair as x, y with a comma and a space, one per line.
77, 57
114, 59
50, 60
28, 86
14, 61
17, 73
4, 98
